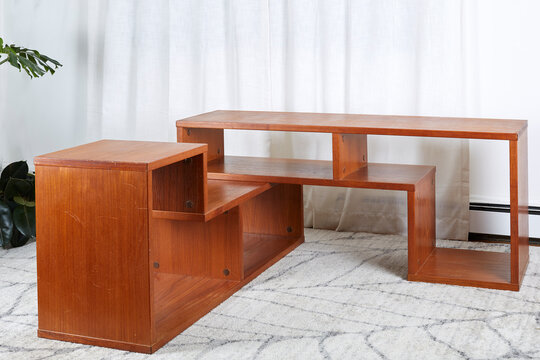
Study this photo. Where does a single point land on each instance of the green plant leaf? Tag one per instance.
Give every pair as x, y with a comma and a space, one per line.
18, 239
19, 187
6, 224
24, 218
31, 61
13, 59
18, 170
22, 201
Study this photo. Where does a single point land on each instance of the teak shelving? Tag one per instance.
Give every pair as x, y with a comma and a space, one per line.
350, 168
138, 240
134, 244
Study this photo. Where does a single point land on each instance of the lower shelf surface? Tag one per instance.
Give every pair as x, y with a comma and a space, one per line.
181, 300
486, 269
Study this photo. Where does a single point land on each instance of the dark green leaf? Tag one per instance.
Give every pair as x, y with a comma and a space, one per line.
18, 170
22, 201
6, 224
24, 218
13, 60
18, 239
31, 61
36, 72
19, 187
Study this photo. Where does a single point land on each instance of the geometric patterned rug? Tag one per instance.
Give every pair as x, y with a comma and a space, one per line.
337, 296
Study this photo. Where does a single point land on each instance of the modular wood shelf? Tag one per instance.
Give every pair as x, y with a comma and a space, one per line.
350, 168
134, 244
138, 240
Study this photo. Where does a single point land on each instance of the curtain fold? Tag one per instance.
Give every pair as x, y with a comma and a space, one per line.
149, 63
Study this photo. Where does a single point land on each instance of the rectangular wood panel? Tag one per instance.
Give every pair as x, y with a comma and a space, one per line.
421, 222
471, 128
199, 248
316, 172
92, 261
180, 186
519, 213
121, 155
213, 137
349, 153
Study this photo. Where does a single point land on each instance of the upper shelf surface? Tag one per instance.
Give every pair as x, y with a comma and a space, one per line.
472, 128
120, 154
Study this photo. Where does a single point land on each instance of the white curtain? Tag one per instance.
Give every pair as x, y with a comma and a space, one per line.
134, 67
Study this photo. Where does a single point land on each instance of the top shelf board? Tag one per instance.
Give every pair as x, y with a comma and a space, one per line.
468, 128
122, 155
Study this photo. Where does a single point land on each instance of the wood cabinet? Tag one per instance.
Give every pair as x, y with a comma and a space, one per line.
134, 244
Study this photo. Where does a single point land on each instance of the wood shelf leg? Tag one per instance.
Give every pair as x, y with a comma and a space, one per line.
519, 217
421, 222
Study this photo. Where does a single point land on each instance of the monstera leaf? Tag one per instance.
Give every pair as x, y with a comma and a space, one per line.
31, 61
19, 188
6, 224
17, 170
24, 218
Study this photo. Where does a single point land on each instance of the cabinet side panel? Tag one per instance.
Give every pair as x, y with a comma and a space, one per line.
92, 253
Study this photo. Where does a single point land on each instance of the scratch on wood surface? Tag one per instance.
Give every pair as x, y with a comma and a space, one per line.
74, 217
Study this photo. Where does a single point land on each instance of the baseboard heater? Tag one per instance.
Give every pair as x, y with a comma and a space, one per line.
500, 208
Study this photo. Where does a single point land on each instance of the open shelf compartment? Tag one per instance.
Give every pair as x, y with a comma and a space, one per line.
465, 267
316, 172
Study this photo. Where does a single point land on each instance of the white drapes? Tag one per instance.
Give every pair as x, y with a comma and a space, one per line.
140, 65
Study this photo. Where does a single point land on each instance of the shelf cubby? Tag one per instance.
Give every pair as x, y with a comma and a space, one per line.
487, 269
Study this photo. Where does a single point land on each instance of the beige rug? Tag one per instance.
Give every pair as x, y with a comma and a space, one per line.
338, 296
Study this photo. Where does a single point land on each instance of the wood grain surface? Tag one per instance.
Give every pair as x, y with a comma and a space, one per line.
470, 128
316, 172
92, 254
121, 155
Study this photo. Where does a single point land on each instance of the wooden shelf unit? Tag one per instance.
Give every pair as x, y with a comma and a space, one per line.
350, 167
135, 246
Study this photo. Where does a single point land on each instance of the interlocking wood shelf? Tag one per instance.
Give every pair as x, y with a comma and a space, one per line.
350, 168
138, 240
134, 244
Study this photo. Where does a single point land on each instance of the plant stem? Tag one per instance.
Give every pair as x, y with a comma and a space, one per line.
3, 61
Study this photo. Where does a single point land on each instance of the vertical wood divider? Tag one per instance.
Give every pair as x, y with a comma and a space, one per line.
212, 137
349, 153
519, 217
421, 222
